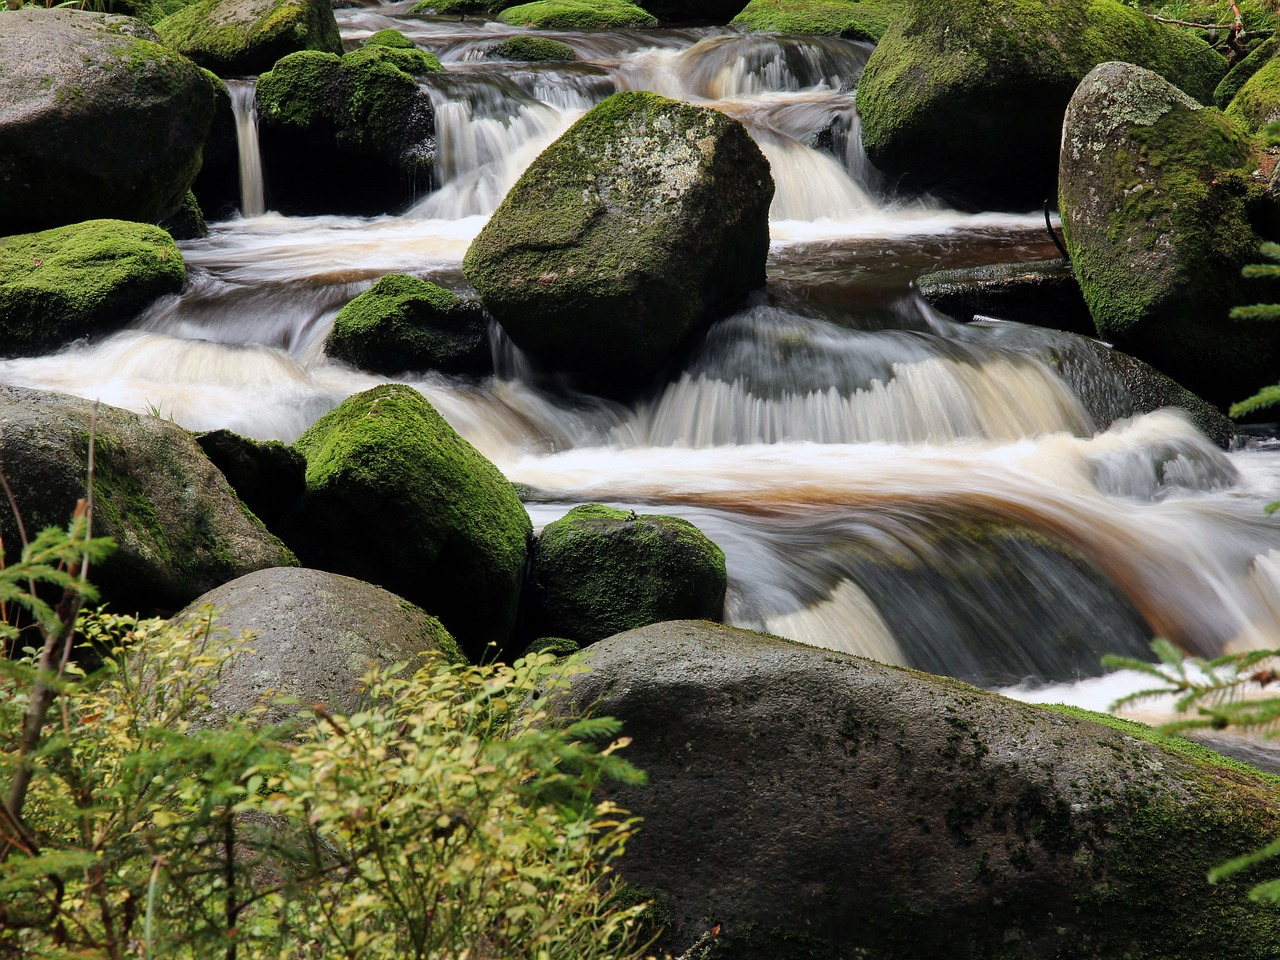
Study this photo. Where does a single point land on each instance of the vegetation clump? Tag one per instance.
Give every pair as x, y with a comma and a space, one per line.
853, 19
528, 49
578, 15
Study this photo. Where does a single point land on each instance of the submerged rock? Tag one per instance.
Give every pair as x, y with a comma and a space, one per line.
597, 571
179, 529
1157, 205
578, 15
395, 497
624, 238
966, 97
812, 803
352, 134
239, 37
1040, 292
405, 323
97, 120
854, 19
315, 635
60, 284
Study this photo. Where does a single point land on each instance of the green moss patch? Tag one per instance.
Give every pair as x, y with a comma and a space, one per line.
389, 38
248, 36
1258, 101
527, 49
60, 284
578, 15
853, 19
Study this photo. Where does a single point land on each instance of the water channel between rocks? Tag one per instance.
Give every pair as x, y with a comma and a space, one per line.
883, 481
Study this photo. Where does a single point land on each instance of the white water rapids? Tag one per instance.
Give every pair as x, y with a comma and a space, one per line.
883, 481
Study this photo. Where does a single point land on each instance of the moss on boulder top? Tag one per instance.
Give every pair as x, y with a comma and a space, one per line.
854, 19
97, 120
406, 323
1157, 202
395, 497
361, 117
1257, 102
578, 15
966, 97
597, 571
388, 38
624, 237
61, 284
528, 49
1238, 75
826, 806
233, 37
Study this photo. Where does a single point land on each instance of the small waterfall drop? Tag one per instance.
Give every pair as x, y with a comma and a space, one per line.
244, 107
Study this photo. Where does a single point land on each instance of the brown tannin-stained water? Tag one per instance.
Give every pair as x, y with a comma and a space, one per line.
883, 481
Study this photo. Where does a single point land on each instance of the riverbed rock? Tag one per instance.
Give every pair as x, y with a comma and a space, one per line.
217, 186
1239, 75
64, 283
315, 635
526, 49
1044, 293
395, 497
853, 19
268, 476
966, 97
242, 37
352, 134
180, 530
578, 15
406, 323
1257, 102
598, 571
625, 237
98, 120
814, 804
1157, 207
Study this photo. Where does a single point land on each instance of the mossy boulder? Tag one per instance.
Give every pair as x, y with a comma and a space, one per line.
820, 805
315, 636
527, 49
238, 37
406, 323
269, 476
360, 121
1239, 74
456, 7
625, 237
395, 497
598, 571
1040, 292
578, 15
1156, 202
389, 38
97, 120
1257, 102
217, 186
64, 283
180, 530
854, 19
965, 97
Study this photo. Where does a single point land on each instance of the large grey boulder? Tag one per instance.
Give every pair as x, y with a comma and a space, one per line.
395, 497
1040, 292
179, 528
238, 37
624, 237
1158, 207
825, 806
315, 635
965, 97
98, 120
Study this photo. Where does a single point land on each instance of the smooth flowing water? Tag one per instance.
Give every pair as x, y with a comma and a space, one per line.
884, 481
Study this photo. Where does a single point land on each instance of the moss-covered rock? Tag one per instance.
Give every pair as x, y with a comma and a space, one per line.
389, 38
456, 7
1040, 292
60, 284
1258, 101
578, 15
405, 323
854, 19
624, 237
395, 497
1156, 200
966, 97
1238, 75
97, 120
825, 806
187, 222
360, 119
269, 476
598, 571
236, 37
527, 49
217, 185
179, 528
315, 636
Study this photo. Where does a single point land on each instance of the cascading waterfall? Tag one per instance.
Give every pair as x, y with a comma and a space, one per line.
244, 108
975, 500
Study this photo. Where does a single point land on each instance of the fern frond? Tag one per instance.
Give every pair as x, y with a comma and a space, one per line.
1266, 397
